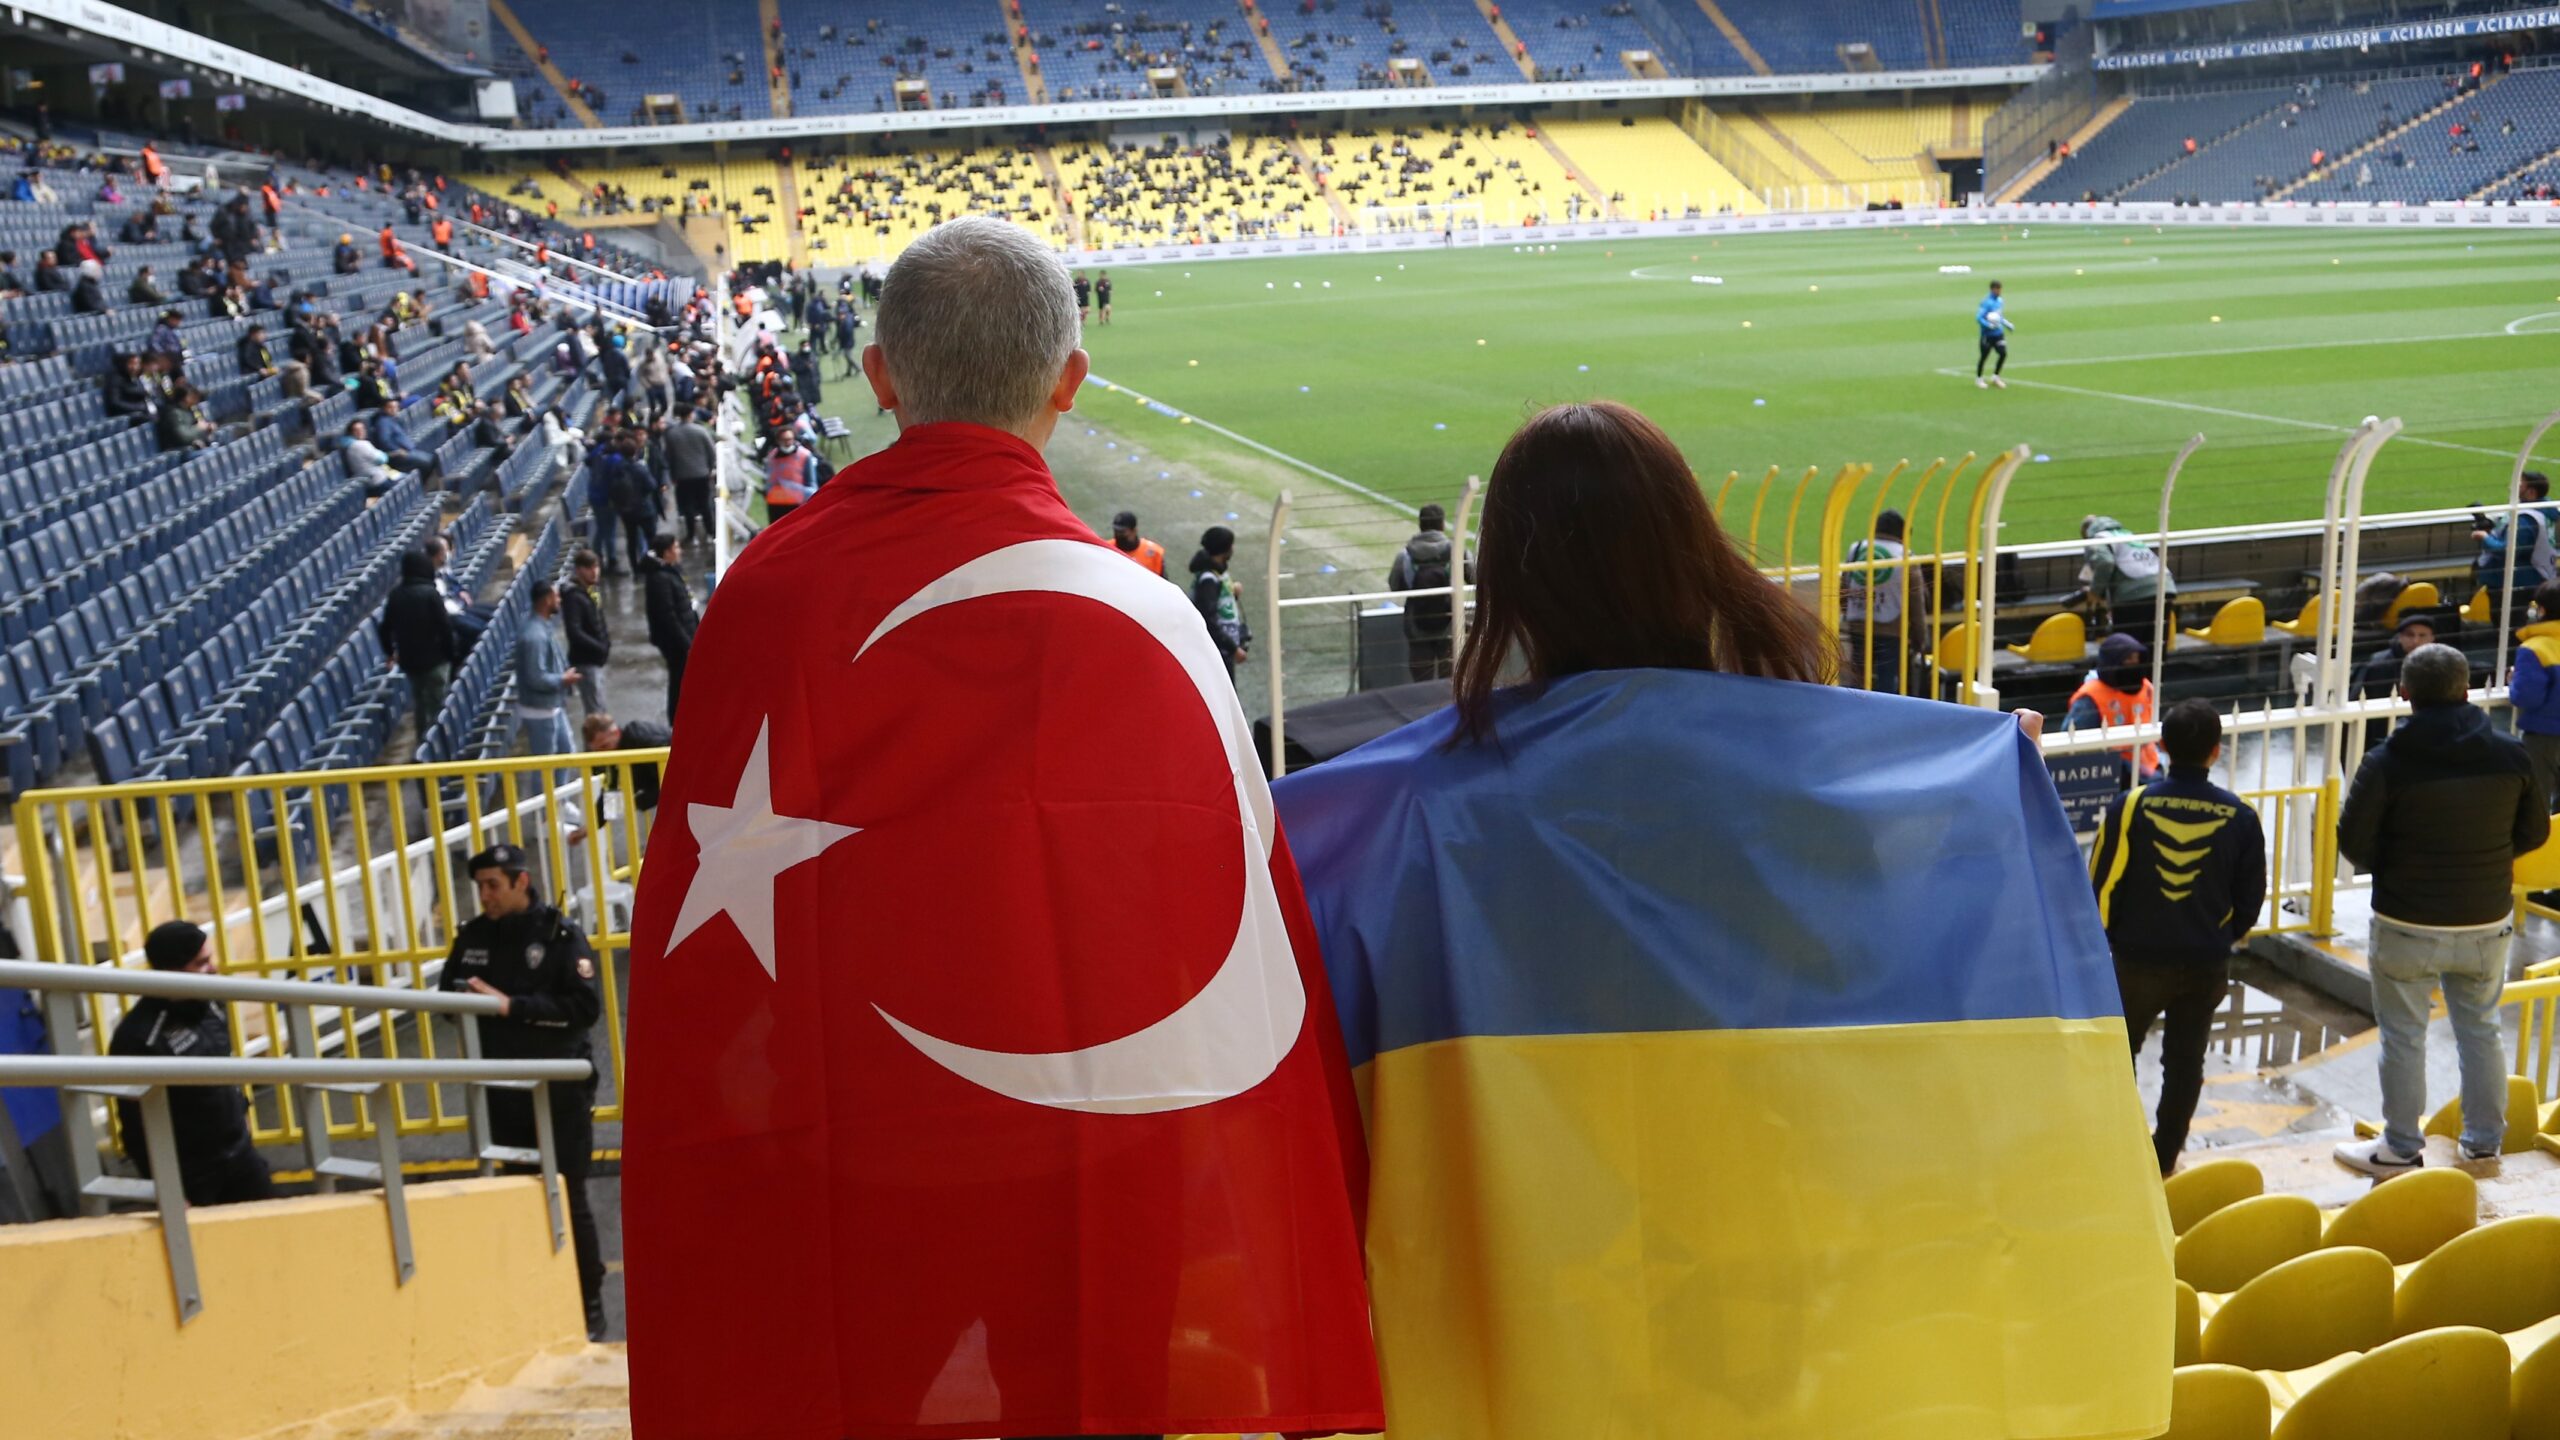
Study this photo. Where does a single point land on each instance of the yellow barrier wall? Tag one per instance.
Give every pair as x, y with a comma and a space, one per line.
302, 1316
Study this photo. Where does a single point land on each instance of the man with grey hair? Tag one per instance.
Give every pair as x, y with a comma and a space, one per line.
981, 743
2438, 813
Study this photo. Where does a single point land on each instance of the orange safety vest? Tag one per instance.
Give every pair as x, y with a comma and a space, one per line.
1149, 555
151, 163
443, 231
274, 202
2117, 708
781, 489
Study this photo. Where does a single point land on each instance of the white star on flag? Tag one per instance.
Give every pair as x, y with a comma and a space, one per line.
744, 847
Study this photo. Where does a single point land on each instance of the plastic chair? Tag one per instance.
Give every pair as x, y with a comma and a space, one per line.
2238, 622
2504, 1276
2062, 637
2419, 595
2189, 1348
2236, 1244
2408, 1219
2217, 1402
2304, 625
2533, 1392
2477, 610
2524, 1117
2199, 1190
2443, 1384
2308, 1309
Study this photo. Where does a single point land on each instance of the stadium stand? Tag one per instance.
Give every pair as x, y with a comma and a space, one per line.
1648, 169
1095, 49
708, 56
2506, 125
2150, 138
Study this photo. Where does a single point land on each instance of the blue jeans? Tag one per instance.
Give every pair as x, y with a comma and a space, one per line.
548, 735
2472, 968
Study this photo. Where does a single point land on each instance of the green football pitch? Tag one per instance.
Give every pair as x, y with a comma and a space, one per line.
1372, 382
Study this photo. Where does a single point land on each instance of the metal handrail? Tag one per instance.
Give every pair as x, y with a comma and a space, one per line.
185, 985
146, 1079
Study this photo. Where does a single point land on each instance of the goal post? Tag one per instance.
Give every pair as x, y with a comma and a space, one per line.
1455, 222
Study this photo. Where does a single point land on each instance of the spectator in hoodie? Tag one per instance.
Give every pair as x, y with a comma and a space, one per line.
544, 676
418, 636
2437, 814
1219, 599
2534, 690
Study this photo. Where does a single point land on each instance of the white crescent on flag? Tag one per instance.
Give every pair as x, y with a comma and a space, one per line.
1230, 1036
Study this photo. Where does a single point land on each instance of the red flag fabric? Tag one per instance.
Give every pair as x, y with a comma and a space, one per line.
983, 1076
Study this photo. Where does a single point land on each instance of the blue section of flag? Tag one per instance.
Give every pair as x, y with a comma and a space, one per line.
1655, 850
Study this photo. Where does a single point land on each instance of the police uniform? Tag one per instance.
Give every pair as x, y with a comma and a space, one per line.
218, 1164
538, 959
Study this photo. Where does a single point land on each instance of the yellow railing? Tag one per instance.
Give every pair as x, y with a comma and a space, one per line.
341, 874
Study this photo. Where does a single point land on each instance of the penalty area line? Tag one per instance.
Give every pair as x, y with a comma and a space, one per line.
2187, 405
1284, 457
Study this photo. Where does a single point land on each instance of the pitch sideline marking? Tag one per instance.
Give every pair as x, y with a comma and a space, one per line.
1282, 456
2237, 414
2289, 345
2513, 326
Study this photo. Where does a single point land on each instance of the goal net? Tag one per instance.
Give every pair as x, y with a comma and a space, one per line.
1456, 222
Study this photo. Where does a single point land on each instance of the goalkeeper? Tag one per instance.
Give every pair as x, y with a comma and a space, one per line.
1995, 327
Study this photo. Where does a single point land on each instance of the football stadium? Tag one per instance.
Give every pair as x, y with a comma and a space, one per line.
605, 610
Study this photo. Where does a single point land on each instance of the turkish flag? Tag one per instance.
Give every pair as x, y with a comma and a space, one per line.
983, 1076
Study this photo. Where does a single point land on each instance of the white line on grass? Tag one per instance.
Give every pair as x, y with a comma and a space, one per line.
2515, 326
1248, 441
2270, 349
2236, 414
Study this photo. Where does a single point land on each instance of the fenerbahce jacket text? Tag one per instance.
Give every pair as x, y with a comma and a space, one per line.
2181, 870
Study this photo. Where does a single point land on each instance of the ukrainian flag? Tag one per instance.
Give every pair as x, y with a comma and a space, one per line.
1741, 1059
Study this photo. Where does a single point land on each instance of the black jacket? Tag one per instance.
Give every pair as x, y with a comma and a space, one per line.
670, 605
88, 297
126, 394
253, 355
415, 628
2438, 814
645, 735
590, 643
2181, 870
235, 231
210, 1122
541, 962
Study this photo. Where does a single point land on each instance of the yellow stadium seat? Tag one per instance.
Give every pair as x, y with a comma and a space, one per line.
2063, 637
2190, 1342
2441, 1384
2236, 1244
2199, 1190
2410, 1217
2524, 1117
2304, 625
2421, 595
2533, 1393
2308, 1309
2504, 1276
2217, 1402
2476, 609
2238, 622
1953, 647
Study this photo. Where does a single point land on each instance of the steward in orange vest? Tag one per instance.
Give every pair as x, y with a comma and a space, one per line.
1148, 554
2118, 693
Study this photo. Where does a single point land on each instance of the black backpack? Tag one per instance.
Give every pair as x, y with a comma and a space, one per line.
1431, 572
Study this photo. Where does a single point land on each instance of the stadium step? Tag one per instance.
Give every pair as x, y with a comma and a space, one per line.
1272, 54
777, 60
1733, 37
1025, 59
2416, 121
550, 72
1509, 37
2035, 174
1307, 167
582, 1395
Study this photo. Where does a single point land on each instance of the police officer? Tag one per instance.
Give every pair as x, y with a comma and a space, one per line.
217, 1162
523, 951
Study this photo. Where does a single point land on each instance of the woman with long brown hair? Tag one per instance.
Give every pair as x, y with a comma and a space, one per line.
1599, 552
1742, 1055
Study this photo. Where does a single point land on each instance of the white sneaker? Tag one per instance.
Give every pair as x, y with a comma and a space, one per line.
1999, 384
2377, 1159
1981, 384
